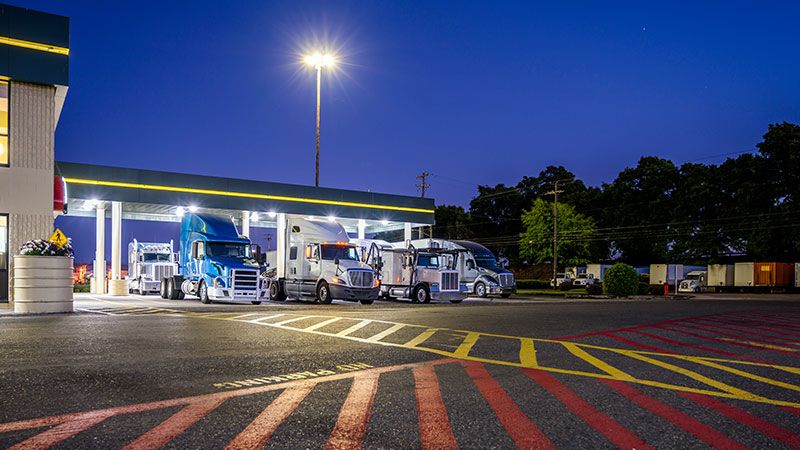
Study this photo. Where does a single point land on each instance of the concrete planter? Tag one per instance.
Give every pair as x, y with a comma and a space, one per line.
42, 284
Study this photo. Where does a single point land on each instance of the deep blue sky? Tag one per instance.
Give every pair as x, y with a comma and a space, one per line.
473, 92
479, 92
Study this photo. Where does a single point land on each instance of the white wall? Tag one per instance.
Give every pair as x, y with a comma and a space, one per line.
26, 187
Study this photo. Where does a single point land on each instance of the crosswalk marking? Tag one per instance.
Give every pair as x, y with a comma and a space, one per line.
294, 319
421, 338
527, 353
600, 364
261, 320
463, 349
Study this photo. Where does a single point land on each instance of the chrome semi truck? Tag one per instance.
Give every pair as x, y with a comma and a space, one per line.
216, 263
478, 268
419, 275
148, 264
321, 264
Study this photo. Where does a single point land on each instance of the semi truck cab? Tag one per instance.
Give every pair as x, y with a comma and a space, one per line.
216, 263
323, 265
148, 264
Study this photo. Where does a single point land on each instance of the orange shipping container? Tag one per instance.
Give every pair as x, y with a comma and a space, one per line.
773, 274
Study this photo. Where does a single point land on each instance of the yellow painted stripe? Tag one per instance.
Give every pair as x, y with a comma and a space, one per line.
34, 45
156, 187
527, 353
751, 376
469, 341
424, 336
739, 393
761, 344
600, 364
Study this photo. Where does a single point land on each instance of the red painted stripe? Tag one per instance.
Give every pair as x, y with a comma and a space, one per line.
352, 423
519, 427
698, 429
435, 431
625, 340
261, 428
774, 321
727, 325
738, 344
603, 424
762, 426
686, 344
60, 433
795, 411
756, 321
176, 424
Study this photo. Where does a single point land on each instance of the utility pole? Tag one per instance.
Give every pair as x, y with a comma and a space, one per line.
555, 192
423, 186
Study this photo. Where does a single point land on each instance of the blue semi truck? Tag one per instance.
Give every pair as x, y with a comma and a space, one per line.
216, 263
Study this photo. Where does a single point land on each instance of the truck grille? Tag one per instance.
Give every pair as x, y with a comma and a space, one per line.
449, 281
159, 271
506, 279
360, 278
245, 280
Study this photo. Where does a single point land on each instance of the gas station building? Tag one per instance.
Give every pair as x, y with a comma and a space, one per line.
34, 188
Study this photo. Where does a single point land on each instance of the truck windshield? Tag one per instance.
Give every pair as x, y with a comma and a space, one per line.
155, 257
341, 252
487, 262
428, 261
227, 249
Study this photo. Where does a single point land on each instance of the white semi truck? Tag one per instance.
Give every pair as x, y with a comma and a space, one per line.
148, 264
320, 263
478, 267
419, 275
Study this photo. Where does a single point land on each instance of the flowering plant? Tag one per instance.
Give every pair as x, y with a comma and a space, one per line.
41, 247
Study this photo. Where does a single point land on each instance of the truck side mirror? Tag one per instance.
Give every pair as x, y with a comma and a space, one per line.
336, 260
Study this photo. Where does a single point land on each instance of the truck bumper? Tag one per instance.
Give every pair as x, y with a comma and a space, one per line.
498, 290
351, 293
231, 295
448, 296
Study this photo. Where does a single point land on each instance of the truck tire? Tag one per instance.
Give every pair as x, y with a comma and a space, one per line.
275, 292
421, 294
324, 293
202, 292
172, 293
480, 289
164, 282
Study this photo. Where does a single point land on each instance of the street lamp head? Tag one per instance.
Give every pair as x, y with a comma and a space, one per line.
319, 60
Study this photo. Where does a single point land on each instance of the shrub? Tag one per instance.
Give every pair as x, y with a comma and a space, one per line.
566, 286
621, 280
594, 289
644, 288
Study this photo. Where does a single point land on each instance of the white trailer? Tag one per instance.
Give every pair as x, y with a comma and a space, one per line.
148, 264
597, 271
744, 273
720, 276
320, 263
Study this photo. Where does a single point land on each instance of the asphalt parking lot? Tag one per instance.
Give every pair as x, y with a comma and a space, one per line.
141, 372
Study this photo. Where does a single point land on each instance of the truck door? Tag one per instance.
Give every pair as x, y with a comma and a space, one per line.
293, 274
312, 269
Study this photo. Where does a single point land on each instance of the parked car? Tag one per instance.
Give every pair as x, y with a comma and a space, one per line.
584, 280
561, 278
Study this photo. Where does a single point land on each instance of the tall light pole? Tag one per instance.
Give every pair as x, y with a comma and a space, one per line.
318, 61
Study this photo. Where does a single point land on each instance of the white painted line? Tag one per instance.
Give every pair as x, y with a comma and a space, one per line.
243, 315
317, 326
358, 326
295, 319
260, 319
385, 332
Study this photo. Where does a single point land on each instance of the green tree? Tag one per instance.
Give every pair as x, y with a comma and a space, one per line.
452, 222
575, 234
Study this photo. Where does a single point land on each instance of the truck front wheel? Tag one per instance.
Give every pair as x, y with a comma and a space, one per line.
275, 292
202, 292
421, 294
164, 283
480, 289
324, 293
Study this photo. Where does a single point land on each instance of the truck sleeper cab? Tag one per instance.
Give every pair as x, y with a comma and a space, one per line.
321, 264
420, 275
216, 263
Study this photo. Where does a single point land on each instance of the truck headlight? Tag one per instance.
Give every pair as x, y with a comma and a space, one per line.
219, 282
337, 280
